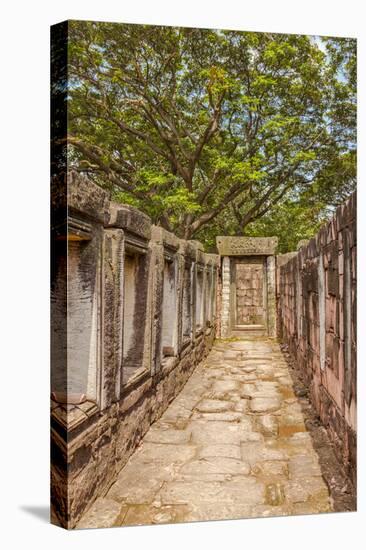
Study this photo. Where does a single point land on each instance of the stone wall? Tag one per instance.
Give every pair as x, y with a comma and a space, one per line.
316, 300
136, 316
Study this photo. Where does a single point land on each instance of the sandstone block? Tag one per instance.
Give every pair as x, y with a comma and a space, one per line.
105, 512
265, 404
223, 433
213, 405
215, 465
226, 451
302, 466
307, 489
267, 424
169, 436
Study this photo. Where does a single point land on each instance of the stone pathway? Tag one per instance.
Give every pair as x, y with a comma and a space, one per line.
233, 444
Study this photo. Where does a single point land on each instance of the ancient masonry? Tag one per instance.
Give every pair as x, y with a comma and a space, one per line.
317, 318
135, 319
248, 286
135, 310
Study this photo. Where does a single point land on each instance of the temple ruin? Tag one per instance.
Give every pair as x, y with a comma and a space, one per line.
135, 310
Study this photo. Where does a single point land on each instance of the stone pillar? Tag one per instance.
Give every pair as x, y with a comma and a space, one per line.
113, 277
225, 305
271, 296
321, 301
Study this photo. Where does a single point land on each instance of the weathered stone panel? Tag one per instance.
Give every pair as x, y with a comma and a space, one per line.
133, 293
316, 316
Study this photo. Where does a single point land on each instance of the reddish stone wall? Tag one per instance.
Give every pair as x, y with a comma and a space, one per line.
316, 300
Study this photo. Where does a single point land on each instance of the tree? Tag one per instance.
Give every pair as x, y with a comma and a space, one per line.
291, 220
193, 124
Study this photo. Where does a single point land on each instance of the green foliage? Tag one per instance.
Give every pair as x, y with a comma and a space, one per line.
290, 221
207, 130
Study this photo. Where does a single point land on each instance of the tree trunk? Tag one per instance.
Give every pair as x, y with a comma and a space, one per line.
187, 225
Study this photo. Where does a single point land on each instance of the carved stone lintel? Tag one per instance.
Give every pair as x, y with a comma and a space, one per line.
243, 246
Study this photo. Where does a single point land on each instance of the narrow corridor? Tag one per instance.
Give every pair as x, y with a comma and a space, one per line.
233, 444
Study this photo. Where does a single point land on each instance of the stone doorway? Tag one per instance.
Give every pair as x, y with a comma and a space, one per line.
248, 304
248, 296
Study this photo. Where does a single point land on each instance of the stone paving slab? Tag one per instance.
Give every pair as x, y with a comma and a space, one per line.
105, 512
233, 444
